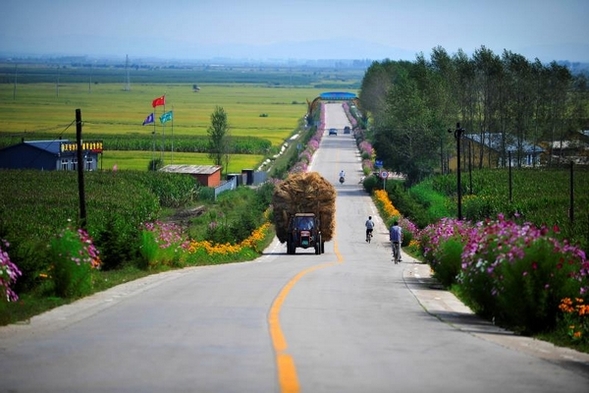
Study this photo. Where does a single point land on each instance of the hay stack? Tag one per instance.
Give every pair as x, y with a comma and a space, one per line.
304, 193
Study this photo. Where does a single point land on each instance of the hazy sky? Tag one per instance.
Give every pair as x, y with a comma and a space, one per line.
311, 29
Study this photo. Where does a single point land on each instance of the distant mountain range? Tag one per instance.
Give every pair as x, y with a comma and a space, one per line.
101, 47
319, 49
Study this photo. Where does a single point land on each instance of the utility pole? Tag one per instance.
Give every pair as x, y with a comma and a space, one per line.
81, 191
458, 136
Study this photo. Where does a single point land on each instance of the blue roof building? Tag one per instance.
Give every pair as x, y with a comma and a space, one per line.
50, 155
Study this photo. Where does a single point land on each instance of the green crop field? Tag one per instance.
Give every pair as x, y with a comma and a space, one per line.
139, 160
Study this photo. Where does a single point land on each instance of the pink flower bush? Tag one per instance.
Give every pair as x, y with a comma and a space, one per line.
163, 243
9, 273
73, 256
349, 115
306, 156
366, 148
514, 273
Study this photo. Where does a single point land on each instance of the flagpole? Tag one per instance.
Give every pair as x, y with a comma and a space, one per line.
164, 133
153, 142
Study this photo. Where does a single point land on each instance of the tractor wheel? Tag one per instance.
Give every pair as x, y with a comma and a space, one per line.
319, 245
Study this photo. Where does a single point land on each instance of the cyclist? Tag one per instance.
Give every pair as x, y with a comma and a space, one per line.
396, 237
369, 227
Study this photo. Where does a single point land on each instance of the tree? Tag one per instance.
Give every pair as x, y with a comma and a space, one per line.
219, 138
404, 137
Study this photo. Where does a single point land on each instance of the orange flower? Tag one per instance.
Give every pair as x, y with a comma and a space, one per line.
566, 305
389, 209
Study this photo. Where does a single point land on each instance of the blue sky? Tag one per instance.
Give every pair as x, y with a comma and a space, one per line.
297, 29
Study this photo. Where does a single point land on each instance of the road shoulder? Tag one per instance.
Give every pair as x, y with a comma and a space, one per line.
449, 309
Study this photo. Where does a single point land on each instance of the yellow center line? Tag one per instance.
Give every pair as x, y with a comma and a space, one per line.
285, 365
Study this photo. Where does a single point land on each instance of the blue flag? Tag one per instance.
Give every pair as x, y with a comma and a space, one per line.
166, 117
148, 119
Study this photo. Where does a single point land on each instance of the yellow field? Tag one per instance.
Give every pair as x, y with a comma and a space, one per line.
108, 109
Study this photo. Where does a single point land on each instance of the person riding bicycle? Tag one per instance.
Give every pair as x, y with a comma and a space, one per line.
396, 237
369, 227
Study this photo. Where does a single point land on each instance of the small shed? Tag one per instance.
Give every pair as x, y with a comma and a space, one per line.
207, 175
50, 155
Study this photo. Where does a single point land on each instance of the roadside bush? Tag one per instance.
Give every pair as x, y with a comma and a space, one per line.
233, 216
162, 244
518, 274
73, 257
9, 273
370, 183
442, 245
119, 242
448, 263
30, 255
406, 204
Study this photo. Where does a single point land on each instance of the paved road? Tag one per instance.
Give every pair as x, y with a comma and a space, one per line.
348, 320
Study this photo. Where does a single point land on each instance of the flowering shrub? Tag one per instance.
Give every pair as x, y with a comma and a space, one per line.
366, 150
208, 252
385, 205
73, 256
9, 272
305, 157
575, 319
255, 241
390, 213
162, 244
349, 114
442, 245
517, 274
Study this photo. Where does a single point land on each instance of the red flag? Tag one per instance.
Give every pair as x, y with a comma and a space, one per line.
159, 101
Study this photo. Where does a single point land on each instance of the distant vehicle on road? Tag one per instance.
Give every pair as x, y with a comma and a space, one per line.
347, 130
332, 131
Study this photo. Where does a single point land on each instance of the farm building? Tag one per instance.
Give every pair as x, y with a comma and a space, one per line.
207, 175
490, 151
575, 149
50, 155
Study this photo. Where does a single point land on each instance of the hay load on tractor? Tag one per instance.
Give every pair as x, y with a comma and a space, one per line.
304, 211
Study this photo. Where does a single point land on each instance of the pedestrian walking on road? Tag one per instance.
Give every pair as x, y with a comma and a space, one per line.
369, 228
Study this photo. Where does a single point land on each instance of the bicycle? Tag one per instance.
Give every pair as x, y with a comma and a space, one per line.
368, 235
396, 252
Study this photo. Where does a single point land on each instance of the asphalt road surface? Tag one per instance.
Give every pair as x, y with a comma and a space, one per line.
348, 320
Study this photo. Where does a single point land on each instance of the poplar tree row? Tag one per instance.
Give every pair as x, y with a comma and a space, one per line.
413, 104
